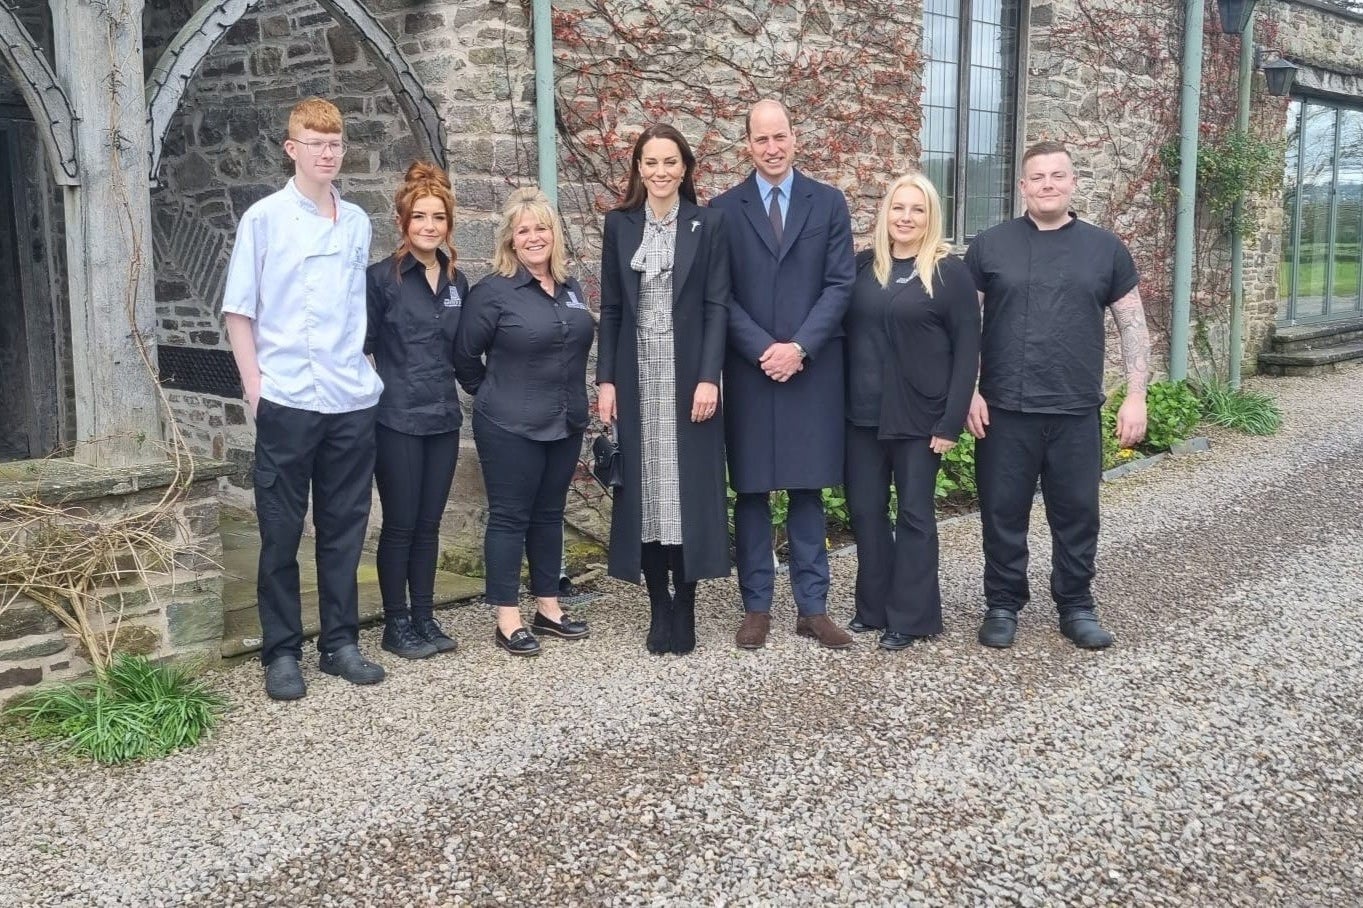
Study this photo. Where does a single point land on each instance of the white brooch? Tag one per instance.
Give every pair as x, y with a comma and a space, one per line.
694, 225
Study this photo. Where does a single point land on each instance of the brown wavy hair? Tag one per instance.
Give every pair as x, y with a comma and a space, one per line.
423, 180
635, 192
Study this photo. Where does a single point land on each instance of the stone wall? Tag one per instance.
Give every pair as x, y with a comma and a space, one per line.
174, 611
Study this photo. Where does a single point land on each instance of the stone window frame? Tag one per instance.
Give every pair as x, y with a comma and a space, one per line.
1289, 313
960, 199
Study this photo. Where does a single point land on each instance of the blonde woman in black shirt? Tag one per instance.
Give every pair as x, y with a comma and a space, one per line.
913, 339
522, 351
414, 299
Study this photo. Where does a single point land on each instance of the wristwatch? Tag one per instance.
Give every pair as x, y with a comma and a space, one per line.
800, 350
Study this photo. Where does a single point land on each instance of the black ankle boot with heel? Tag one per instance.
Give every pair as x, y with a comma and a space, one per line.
653, 560
683, 604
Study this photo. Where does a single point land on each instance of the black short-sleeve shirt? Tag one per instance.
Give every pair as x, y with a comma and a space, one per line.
410, 333
523, 354
1045, 295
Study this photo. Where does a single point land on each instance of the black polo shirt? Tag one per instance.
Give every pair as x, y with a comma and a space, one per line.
410, 333
534, 380
1045, 294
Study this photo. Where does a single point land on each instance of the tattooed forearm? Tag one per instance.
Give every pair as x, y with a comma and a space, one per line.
1135, 339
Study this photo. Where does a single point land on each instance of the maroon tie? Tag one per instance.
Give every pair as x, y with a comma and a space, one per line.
774, 212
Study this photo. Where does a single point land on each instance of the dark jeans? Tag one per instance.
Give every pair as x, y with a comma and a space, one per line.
331, 454
527, 487
808, 551
897, 587
1066, 453
414, 473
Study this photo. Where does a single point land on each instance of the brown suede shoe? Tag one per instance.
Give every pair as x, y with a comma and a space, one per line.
752, 633
825, 631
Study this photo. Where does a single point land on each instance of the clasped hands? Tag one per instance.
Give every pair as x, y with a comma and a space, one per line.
781, 361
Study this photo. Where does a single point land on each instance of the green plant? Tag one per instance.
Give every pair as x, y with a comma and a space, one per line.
1238, 164
835, 507
1236, 408
957, 473
135, 709
1172, 413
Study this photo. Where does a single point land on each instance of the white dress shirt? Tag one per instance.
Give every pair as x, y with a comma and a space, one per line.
300, 278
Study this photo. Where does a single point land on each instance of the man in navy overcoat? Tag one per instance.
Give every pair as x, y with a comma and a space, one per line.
791, 257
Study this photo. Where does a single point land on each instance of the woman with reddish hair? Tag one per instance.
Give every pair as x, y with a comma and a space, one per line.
415, 297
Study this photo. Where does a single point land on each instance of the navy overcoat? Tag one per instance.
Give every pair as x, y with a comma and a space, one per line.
786, 435
700, 302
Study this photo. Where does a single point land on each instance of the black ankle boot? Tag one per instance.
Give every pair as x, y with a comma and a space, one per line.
654, 563
400, 638
684, 619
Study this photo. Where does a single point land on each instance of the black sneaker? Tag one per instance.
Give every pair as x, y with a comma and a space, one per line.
347, 663
431, 631
283, 680
401, 638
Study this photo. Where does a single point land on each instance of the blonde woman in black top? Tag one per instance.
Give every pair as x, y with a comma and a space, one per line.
913, 339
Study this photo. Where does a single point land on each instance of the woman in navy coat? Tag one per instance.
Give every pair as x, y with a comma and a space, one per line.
664, 315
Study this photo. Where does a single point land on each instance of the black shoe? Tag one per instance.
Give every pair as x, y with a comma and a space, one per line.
283, 680
1081, 626
684, 619
857, 626
566, 589
566, 627
520, 643
431, 631
347, 663
660, 614
894, 641
999, 628
400, 637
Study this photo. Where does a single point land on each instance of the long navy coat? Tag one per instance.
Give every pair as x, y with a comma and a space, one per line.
787, 435
700, 303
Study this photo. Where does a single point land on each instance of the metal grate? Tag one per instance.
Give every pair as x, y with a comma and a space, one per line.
199, 369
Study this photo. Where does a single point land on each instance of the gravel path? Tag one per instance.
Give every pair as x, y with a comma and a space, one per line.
1213, 757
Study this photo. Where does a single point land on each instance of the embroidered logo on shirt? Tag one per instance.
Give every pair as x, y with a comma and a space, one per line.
453, 301
574, 302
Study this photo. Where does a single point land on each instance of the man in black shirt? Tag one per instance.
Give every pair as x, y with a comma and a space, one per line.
1045, 280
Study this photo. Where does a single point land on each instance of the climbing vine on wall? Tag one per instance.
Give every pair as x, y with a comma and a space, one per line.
847, 69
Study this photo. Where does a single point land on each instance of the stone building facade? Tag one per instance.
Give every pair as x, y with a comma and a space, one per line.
864, 80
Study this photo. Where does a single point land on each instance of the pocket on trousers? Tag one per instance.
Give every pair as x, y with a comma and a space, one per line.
267, 499
264, 479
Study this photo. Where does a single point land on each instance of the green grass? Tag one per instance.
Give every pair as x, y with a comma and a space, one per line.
138, 709
1246, 411
1311, 279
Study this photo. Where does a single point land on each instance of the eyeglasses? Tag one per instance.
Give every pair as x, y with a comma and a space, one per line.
316, 146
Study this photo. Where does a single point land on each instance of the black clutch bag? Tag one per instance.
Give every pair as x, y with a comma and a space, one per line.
606, 465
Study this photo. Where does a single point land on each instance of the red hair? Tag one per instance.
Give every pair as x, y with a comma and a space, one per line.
424, 180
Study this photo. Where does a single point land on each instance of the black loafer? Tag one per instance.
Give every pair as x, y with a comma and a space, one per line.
1081, 626
894, 641
283, 680
347, 663
999, 628
567, 627
857, 626
520, 643
431, 631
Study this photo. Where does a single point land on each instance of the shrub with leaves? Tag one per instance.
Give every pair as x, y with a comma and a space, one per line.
135, 709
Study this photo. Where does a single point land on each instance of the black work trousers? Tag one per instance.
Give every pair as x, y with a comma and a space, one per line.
331, 455
1064, 451
527, 487
897, 586
414, 473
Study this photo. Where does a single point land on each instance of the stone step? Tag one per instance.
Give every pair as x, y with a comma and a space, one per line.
1310, 362
1315, 337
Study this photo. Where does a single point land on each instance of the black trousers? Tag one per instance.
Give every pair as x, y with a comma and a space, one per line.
331, 455
414, 473
527, 486
897, 587
806, 535
1066, 453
